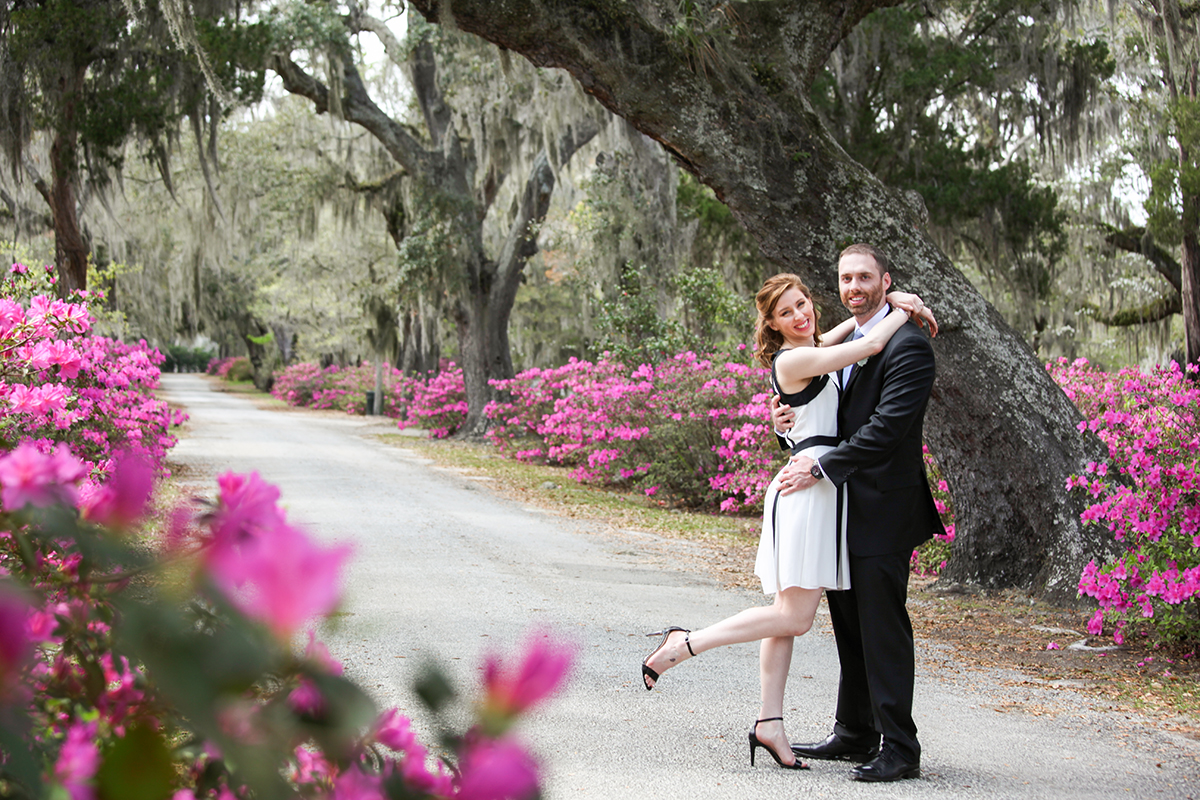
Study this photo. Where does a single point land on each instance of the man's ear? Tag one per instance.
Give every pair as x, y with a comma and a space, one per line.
887, 281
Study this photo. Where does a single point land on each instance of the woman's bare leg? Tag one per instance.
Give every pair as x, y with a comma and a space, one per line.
790, 615
774, 661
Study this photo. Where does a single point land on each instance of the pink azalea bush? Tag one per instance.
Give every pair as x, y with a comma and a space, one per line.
437, 403
930, 558
1147, 494
689, 428
339, 388
65, 391
233, 368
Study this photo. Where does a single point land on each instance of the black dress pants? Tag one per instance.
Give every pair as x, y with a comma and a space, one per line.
875, 647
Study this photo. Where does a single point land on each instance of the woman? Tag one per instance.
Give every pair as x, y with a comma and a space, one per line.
801, 550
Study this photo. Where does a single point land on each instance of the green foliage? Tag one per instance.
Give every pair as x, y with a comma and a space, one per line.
633, 330
95, 71
240, 371
238, 52
187, 359
1171, 178
307, 25
939, 102
711, 311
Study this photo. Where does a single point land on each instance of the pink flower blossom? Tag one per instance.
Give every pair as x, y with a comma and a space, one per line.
32, 477
353, 784
16, 645
512, 690
394, 730
496, 770
280, 577
122, 501
78, 761
271, 571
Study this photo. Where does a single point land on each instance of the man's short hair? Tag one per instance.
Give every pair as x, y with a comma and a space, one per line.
881, 260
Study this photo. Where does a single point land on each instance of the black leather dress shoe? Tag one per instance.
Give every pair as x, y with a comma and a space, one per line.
887, 766
835, 748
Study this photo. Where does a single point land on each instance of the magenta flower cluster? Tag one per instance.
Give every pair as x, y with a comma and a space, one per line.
1147, 494
222, 366
689, 428
90, 397
337, 388
436, 403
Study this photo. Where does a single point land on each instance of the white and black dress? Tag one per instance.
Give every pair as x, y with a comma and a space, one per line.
803, 537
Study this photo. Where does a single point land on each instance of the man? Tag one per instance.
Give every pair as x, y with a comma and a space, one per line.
890, 511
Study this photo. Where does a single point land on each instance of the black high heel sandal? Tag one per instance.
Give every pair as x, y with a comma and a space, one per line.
665, 633
755, 743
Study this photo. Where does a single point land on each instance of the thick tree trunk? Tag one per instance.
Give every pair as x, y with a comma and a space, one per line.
70, 250
732, 107
1190, 266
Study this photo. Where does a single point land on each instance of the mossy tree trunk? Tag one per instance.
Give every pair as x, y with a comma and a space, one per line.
725, 90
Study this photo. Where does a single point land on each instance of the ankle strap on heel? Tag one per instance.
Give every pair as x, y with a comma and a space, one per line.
687, 639
768, 719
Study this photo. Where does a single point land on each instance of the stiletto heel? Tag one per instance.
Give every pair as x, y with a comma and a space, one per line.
756, 743
665, 633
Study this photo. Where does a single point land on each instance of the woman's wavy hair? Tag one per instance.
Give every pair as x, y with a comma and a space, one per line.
767, 340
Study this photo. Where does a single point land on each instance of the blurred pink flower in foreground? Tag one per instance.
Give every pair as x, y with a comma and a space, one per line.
496, 769
354, 785
121, 503
78, 761
543, 668
394, 730
15, 644
269, 570
32, 477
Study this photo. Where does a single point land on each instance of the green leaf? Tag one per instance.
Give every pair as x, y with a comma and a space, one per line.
433, 687
136, 767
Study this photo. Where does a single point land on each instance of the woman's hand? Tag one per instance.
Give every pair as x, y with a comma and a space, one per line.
916, 309
782, 417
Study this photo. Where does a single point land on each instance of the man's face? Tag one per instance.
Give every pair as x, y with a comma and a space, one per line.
861, 286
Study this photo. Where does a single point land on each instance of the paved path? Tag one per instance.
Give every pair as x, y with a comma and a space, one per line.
444, 567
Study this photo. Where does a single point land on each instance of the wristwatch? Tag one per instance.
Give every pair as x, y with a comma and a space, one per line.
816, 471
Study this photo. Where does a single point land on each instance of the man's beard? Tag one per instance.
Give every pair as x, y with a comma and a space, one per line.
873, 302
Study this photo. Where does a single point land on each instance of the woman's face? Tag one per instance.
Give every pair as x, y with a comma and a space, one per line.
794, 318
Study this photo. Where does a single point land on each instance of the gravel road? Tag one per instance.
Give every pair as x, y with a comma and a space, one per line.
445, 568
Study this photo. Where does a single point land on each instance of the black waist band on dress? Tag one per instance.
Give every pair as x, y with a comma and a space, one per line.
813, 441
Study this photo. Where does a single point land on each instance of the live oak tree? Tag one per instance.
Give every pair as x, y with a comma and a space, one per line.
725, 88
453, 169
93, 74
1170, 154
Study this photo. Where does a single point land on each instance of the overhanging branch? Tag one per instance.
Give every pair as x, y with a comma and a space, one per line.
1135, 240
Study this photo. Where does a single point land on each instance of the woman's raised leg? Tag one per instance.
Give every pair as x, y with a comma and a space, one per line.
790, 615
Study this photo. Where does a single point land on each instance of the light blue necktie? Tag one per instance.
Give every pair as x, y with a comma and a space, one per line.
849, 370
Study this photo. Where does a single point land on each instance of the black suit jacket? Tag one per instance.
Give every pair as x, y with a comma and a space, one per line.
880, 420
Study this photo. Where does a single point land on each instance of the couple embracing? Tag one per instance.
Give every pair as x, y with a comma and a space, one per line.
843, 516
